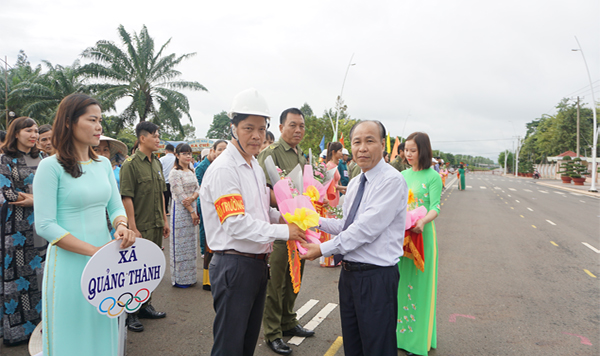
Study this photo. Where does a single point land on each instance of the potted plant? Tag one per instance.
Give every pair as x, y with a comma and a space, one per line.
566, 169
579, 170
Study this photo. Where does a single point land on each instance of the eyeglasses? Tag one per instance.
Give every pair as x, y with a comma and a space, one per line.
185, 153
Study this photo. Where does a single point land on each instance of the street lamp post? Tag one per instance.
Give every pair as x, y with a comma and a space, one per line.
595, 130
338, 104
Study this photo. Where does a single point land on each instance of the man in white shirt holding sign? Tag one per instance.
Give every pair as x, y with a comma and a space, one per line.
370, 238
238, 220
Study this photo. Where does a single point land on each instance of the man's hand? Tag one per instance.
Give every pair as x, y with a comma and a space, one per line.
296, 233
313, 251
166, 230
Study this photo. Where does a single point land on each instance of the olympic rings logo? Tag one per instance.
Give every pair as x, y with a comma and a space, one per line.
116, 303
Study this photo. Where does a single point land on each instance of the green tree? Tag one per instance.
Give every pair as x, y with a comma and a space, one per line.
20, 72
306, 110
40, 95
189, 133
219, 128
146, 76
509, 161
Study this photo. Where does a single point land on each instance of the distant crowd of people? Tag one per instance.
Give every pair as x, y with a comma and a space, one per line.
87, 189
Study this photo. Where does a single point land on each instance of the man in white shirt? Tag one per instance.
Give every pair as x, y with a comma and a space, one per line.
238, 221
167, 162
370, 238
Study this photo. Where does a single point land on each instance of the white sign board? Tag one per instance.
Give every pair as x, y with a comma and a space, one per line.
119, 280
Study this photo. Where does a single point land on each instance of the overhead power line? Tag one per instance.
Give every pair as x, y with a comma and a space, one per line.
462, 141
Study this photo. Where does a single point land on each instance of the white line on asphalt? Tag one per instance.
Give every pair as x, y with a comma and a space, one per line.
576, 194
512, 189
592, 248
306, 308
517, 201
582, 201
497, 188
526, 190
542, 191
530, 209
560, 193
312, 324
469, 186
509, 195
552, 223
482, 187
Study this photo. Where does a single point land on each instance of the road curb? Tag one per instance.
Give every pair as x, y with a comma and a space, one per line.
581, 192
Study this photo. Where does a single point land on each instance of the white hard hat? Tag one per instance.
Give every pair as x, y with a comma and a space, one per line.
345, 151
323, 153
434, 160
249, 102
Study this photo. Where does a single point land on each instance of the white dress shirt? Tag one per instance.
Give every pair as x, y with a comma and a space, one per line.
251, 232
167, 161
376, 235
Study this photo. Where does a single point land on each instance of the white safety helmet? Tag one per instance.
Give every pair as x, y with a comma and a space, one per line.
345, 151
323, 153
249, 102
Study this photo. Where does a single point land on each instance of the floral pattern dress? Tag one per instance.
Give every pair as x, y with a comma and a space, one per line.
417, 291
183, 239
22, 253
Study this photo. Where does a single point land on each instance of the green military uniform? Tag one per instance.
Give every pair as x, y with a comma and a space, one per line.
354, 170
143, 181
279, 312
399, 164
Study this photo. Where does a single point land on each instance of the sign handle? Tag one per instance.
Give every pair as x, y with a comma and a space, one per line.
122, 333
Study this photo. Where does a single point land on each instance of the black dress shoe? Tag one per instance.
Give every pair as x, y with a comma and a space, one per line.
278, 346
299, 331
149, 313
133, 323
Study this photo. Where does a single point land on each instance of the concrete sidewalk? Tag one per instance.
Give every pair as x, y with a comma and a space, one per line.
557, 184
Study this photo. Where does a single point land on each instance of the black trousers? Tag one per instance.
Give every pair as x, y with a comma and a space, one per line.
369, 309
239, 286
167, 195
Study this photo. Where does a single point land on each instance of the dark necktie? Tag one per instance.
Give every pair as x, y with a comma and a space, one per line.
361, 189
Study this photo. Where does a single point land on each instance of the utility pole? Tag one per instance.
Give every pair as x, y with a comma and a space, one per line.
6, 89
577, 126
505, 160
517, 155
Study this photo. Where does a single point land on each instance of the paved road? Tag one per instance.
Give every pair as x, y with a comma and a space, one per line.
514, 279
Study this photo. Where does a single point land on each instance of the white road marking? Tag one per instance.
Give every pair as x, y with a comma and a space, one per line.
306, 308
469, 186
542, 191
552, 223
509, 195
482, 187
576, 194
312, 324
512, 189
526, 190
560, 193
582, 201
517, 201
497, 188
592, 248
530, 209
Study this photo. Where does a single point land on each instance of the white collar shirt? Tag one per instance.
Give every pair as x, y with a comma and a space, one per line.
252, 231
376, 235
167, 161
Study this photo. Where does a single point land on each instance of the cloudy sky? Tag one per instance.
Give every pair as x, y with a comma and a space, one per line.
469, 73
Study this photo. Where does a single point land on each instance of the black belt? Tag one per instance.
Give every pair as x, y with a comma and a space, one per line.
352, 266
263, 256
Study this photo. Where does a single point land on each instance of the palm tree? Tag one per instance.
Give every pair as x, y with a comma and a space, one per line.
42, 94
20, 72
148, 78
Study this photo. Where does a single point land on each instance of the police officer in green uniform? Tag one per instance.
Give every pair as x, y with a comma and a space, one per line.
142, 188
399, 163
279, 318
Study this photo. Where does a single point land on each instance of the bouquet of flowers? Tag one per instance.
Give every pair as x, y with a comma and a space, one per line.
413, 242
294, 197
